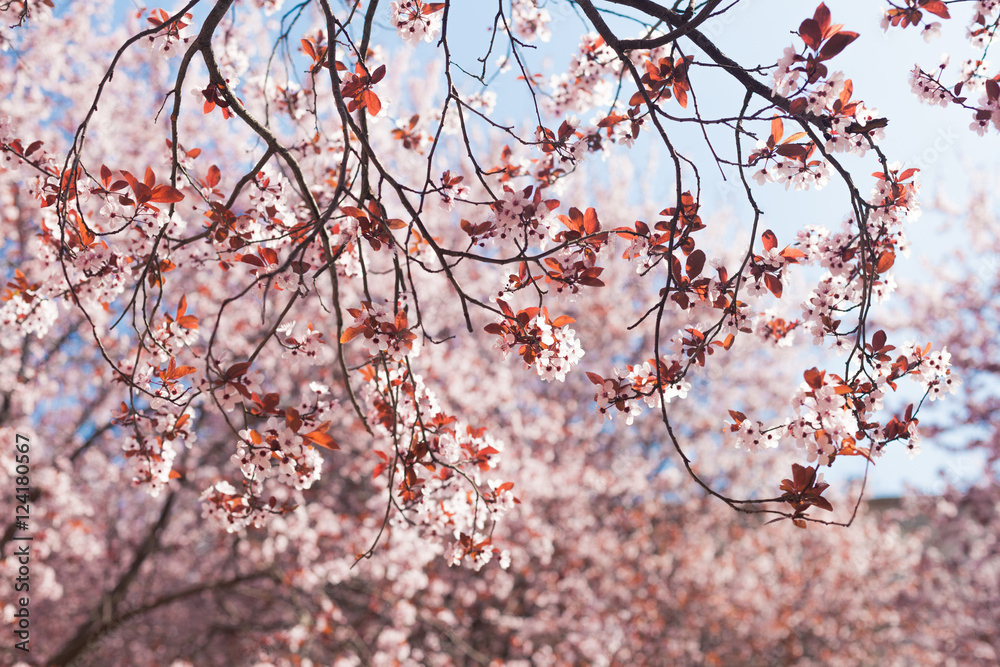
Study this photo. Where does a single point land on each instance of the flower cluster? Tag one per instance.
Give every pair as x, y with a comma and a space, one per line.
785, 78
530, 21
277, 450
783, 161
823, 416
521, 218
928, 89
171, 36
550, 346
751, 435
435, 459
173, 333
153, 460
223, 505
834, 416
308, 348
383, 331
974, 78
795, 174
452, 189
585, 84
415, 20
933, 370
277, 458
23, 313
638, 384
268, 197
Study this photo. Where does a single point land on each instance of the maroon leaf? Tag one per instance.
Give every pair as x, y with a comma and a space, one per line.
773, 284
810, 33
836, 44
936, 7
695, 263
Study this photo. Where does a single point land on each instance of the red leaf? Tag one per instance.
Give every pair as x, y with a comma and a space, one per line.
237, 370
810, 33
773, 283
821, 502
846, 92
814, 377
292, 419
836, 44
792, 254
795, 151
885, 261
188, 322
142, 192
352, 332
803, 476
611, 121
695, 263
32, 147
769, 239
354, 212
936, 7
591, 281
165, 194
675, 269
132, 181
322, 439
680, 92
251, 259
270, 401
269, 255
307, 48
992, 89
381, 467
371, 102
822, 17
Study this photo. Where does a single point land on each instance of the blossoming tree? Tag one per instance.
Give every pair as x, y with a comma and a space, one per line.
297, 322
